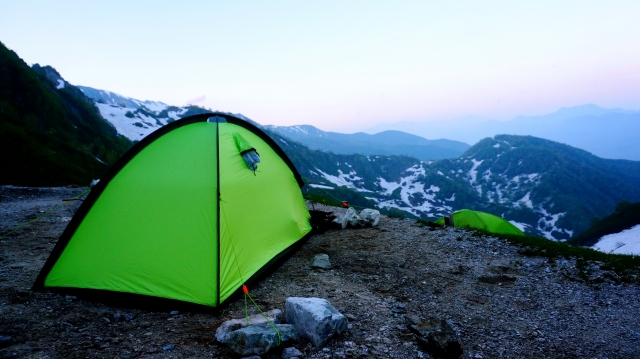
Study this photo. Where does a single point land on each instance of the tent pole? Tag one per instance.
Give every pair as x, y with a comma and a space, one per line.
218, 204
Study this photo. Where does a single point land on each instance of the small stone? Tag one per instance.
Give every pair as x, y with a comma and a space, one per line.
321, 261
291, 352
436, 336
351, 317
339, 353
174, 312
129, 317
168, 347
253, 357
5, 341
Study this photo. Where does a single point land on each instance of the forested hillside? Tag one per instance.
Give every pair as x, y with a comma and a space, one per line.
51, 134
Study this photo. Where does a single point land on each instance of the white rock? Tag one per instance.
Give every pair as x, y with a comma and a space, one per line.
371, 217
353, 219
315, 319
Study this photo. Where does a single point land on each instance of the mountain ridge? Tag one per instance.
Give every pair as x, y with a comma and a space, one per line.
133, 118
383, 143
545, 188
608, 133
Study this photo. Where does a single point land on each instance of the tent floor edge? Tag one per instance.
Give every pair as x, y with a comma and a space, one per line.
133, 301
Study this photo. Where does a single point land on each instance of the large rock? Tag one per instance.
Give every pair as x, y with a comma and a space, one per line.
370, 217
436, 336
315, 319
353, 219
223, 331
260, 339
341, 221
321, 261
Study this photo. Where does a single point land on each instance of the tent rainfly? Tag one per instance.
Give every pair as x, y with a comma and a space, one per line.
469, 219
189, 214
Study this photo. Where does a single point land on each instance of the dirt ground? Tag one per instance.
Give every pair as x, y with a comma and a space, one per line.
501, 304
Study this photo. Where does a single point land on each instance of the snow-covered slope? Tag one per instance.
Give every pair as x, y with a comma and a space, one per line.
625, 242
542, 187
133, 118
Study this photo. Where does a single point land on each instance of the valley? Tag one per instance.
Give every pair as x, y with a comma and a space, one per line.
499, 301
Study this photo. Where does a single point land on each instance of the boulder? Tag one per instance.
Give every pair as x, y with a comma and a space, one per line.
260, 339
341, 221
370, 217
223, 331
315, 319
321, 261
353, 219
436, 336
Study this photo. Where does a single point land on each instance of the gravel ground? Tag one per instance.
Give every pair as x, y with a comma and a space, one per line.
501, 304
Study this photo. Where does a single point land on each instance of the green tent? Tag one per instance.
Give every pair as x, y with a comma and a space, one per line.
191, 213
466, 218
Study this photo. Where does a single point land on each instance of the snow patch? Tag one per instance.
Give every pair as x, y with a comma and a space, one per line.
521, 226
60, 84
132, 128
343, 179
548, 226
525, 200
473, 172
625, 242
319, 186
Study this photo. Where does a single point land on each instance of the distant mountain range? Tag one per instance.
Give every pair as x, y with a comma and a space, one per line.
386, 143
607, 133
53, 133
136, 119
543, 187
